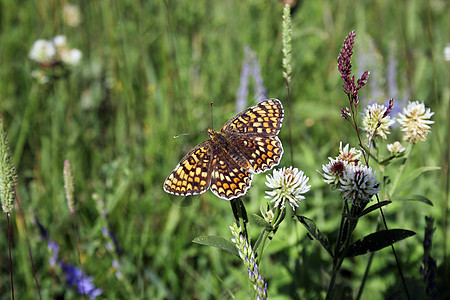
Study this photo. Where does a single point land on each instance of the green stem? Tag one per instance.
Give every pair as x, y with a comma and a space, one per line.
347, 225
266, 234
401, 169
366, 272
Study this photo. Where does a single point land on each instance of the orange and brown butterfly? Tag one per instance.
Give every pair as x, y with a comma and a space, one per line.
247, 144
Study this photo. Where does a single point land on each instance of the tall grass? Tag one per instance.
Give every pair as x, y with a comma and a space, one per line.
149, 71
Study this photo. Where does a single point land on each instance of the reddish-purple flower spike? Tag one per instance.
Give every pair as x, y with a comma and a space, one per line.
345, 68
345, 56
363, 79
391, 106
345, 113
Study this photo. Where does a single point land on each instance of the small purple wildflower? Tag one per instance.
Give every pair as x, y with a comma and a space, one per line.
250, 67
54, 249
76, 277
42, 230
248, 257
391, 76
110, 236
259, 89
242, 93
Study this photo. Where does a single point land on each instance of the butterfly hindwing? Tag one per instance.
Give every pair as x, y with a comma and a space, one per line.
192, 175
228, 179
262, 153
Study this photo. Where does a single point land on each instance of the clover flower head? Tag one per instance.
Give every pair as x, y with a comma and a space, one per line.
351, 155
42, 51
287, 185
396, 148
334, 171
414, 122
60, 41
447, 52
358, 184
71, 57
54, 52
376, 122
71, 15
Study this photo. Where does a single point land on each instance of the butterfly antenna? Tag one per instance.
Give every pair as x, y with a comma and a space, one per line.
212, 124
178, 135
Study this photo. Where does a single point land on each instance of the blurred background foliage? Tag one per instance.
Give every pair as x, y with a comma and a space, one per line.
149, 71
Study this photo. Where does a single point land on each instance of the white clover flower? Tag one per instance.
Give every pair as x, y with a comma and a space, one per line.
414, 122
351, 155
375, 123
288, 185
358, 184
447, 52
334, 171
60, 41
42, 51
396, 148
71, 15
40, 76
71, 56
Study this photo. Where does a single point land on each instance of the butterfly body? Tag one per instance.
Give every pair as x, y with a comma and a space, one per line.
222, 141
247, 144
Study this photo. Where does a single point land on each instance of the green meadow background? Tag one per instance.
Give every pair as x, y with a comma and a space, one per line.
149, 71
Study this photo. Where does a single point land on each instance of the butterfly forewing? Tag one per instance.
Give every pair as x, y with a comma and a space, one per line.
263, 119
228, 179
193, 174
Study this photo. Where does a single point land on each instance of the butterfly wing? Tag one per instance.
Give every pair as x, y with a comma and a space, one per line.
228, 179
262, 152
192, 175
262, 119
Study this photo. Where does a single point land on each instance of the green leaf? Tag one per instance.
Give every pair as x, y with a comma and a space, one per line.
260, 220
378, 240
218, 242
315, 232
374, 207
419, 198
413, 175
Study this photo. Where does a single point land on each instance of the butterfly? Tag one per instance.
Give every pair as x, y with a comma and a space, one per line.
247, 144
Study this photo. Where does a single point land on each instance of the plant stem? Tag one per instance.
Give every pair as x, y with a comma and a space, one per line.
401, 169
10, 257
266, 234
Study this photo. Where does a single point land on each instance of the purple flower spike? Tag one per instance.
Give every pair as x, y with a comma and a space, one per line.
76, 277
345, 68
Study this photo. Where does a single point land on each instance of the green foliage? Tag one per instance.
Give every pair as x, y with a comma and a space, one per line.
149, 71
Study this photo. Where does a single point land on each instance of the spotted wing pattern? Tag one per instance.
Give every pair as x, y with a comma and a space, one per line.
192, 175
262, 153
263, 119
228, 179
246, 144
